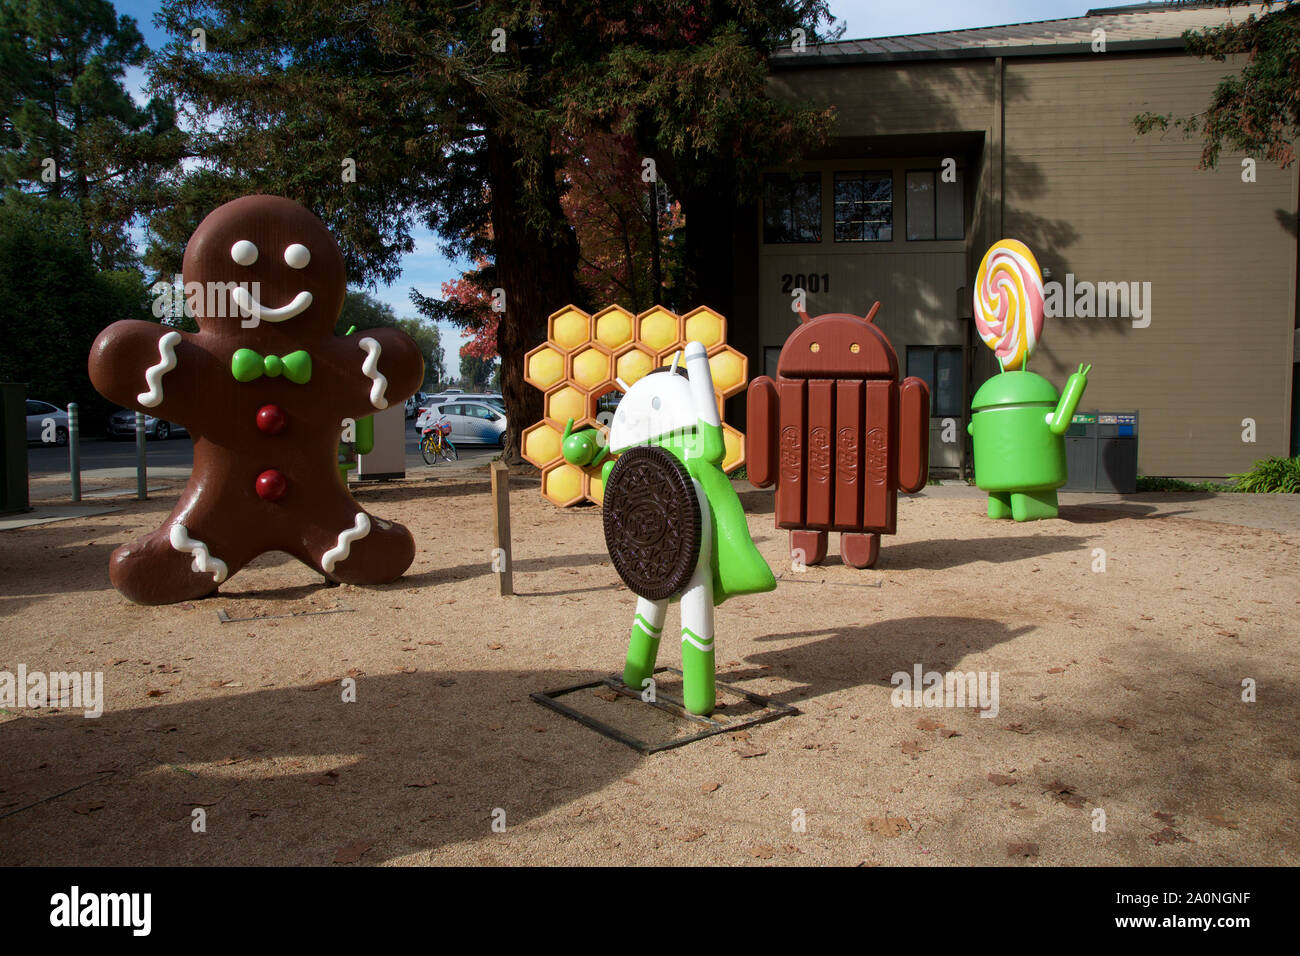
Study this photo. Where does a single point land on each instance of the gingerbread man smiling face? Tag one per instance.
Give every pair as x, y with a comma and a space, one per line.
263, 389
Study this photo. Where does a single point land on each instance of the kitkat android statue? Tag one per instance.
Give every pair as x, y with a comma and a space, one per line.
674, 526
264, 388
1018, 422
839, 436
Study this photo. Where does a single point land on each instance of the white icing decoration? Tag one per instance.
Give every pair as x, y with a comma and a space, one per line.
297, 256
251, 307
371, 367
360, 528
153, 375
204, 562
243, 252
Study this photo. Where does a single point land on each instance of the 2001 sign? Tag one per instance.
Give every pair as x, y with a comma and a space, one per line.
812, 282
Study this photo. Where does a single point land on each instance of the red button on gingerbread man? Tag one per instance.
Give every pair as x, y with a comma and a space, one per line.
263, 388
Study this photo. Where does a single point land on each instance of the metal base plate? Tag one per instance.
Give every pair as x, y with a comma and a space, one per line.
767, 710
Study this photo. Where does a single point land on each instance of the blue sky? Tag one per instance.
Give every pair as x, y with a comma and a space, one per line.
426, 268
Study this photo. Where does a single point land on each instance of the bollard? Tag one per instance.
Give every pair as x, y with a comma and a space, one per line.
141, 467
74, 450
501, 528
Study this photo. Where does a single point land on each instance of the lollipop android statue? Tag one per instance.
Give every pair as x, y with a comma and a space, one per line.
838, 436
674, 526
1018, 422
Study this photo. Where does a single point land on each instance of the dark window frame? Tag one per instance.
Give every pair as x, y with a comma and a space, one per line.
932, 353
936, 172
835, 203
791, 178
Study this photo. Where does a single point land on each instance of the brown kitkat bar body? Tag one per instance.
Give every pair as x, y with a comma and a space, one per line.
836, 432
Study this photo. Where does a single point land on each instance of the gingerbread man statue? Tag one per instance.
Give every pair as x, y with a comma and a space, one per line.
263, 388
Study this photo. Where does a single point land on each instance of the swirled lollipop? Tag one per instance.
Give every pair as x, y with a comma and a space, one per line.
1009, 302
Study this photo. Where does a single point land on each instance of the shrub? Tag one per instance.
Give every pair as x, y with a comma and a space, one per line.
1278, 475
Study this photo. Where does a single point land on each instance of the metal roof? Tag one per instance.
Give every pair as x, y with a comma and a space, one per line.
1139, 26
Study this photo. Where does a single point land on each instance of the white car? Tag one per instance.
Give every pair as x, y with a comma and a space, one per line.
473, 422
38, 413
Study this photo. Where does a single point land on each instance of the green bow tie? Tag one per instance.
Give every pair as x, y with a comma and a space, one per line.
247, 365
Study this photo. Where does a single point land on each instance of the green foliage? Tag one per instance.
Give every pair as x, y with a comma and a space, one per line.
1271, 475
53, 302
1257, 111
476, 373
1148, 483
70, 129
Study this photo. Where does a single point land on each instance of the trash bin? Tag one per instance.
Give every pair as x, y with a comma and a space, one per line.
1101, 452
13, 448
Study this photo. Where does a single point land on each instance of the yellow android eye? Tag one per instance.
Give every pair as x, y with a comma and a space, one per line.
855, 348
814, 347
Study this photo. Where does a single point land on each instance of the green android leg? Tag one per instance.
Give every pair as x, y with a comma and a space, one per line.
1033, 505
699, 678
999, 504
643, 649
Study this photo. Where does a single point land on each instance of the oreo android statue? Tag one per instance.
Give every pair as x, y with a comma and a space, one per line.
674, 526
838, 435
1018, 421
264, 388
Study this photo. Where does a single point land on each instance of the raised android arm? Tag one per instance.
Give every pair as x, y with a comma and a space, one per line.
760, 432
1059, 420
914, 435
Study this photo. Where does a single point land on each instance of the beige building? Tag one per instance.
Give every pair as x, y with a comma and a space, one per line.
946, 142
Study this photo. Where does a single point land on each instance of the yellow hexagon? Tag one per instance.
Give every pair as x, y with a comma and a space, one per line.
565, 402
590, 368
569, 328
542, 444
735, 443
633, 364
595, 486
544, 366
658, 329
562, 484
705, 326
614, 327
730, 369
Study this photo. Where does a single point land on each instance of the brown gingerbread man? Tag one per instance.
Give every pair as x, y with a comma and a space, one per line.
263, 388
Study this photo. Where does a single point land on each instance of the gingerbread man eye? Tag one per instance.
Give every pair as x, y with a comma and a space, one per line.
244, 252
297, 256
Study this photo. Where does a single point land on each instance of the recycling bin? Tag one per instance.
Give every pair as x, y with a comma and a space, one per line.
1101, 452
13, 448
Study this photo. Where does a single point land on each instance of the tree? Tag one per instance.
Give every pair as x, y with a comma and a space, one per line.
475, 372
458, 114
54, 301
1256, 112
70, 129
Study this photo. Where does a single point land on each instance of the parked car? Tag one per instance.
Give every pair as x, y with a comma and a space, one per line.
37, 414
472, 422
121, 424
415, 403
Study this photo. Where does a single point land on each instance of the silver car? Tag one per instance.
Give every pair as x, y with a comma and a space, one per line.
121, 424
38, 413
472, 422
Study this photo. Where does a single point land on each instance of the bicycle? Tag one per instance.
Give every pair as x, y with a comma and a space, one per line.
435, 446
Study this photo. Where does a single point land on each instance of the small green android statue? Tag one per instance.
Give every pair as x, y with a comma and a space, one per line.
1018, 421
674, 526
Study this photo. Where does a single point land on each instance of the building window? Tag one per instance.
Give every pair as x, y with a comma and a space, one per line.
864, 206
792, 207
935, 209
771, 356
940, 367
